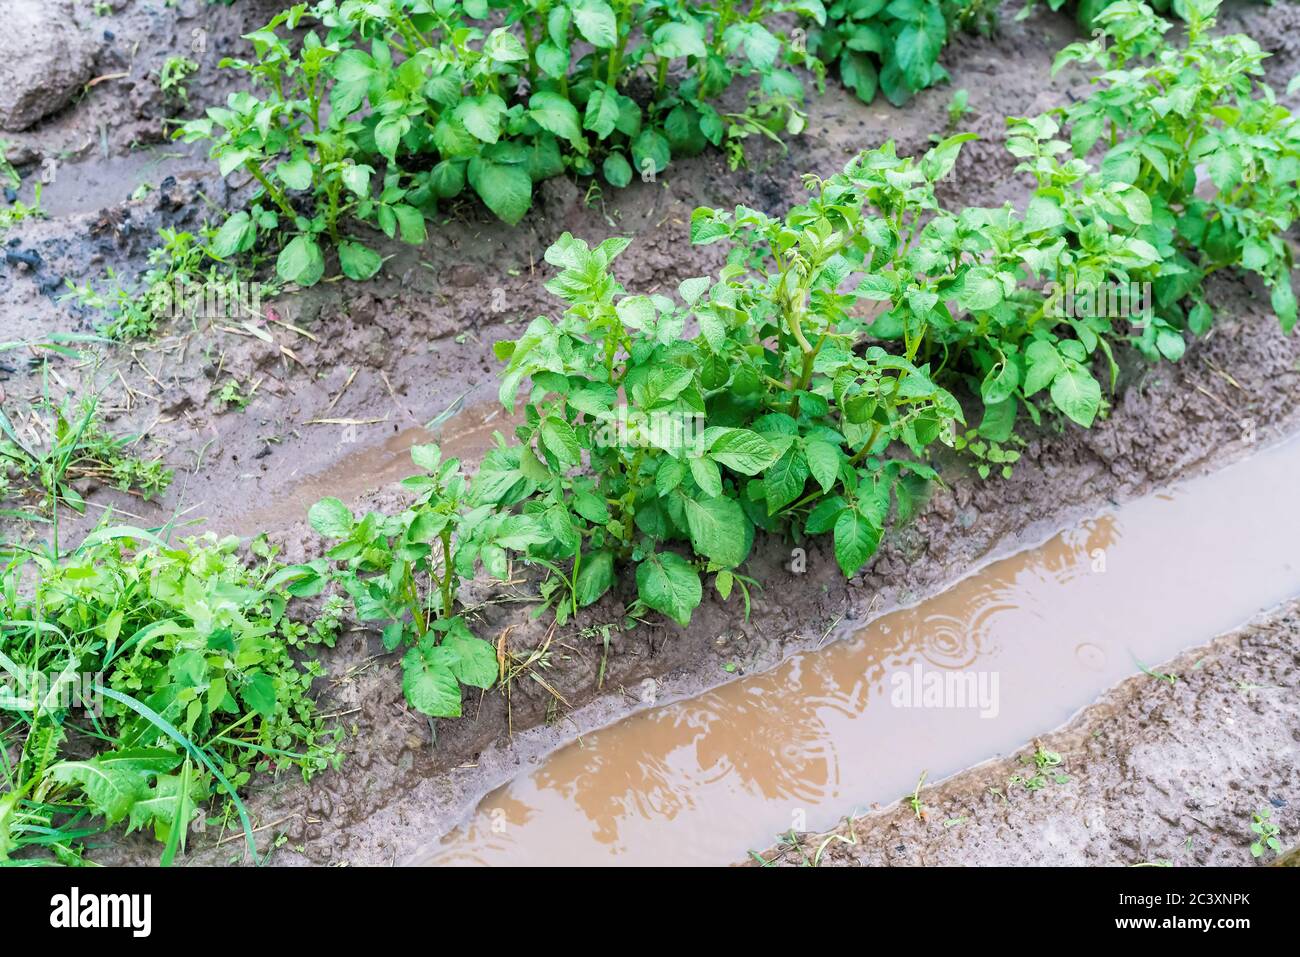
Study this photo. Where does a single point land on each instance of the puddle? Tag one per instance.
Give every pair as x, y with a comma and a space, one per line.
95, 182
467, 435
1011, 652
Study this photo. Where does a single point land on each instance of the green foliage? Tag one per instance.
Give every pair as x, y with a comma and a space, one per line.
1194, 129
167, 683
406, 570
173, 79
1021, 307
893, 46
14, 211
232, 396
1087, 12
1043, 762
822, 368
180, 264
767, 419
882, 45
386, 110
965, 289
1266, 833
8, 174
989, 455
958, 109
800, 391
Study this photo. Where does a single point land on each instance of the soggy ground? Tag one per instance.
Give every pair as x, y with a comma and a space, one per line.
345, 377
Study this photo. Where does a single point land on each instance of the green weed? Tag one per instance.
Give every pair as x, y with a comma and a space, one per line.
173, 79
142, 680
72, 445
1266, 833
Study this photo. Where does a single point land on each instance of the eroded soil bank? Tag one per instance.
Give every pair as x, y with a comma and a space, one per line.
383, 359
1158, 771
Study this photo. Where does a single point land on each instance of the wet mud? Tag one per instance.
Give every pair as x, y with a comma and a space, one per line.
344, 377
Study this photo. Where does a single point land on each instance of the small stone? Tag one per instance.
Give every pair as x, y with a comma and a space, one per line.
911, 544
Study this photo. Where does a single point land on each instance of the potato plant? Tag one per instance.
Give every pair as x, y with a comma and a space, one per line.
800, 390
770, 417
888, 46
1086, 12
406, 571
384, 111
766, 419
1195, 129
965, 294
988, 294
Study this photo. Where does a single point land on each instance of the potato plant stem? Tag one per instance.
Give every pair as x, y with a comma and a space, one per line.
277, 197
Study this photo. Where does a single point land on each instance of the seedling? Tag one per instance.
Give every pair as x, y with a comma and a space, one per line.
958, 109
914, 801
13, 210
1043, 760
9, 177
232, 396
989, 456
173, 77
1169, 677
1266, 833
180, 261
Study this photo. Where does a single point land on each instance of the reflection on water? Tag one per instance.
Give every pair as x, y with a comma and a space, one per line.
1000, 657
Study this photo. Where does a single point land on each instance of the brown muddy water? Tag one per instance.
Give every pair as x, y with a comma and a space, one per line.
465, 434
1010, 652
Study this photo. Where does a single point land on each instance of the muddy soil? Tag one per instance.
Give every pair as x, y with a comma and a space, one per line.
1156, 772
344, 377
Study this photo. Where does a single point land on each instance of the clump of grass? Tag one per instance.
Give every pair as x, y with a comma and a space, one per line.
67, 444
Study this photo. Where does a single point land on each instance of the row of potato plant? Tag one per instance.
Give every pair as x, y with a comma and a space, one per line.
799, 393
378, 111
825, 358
